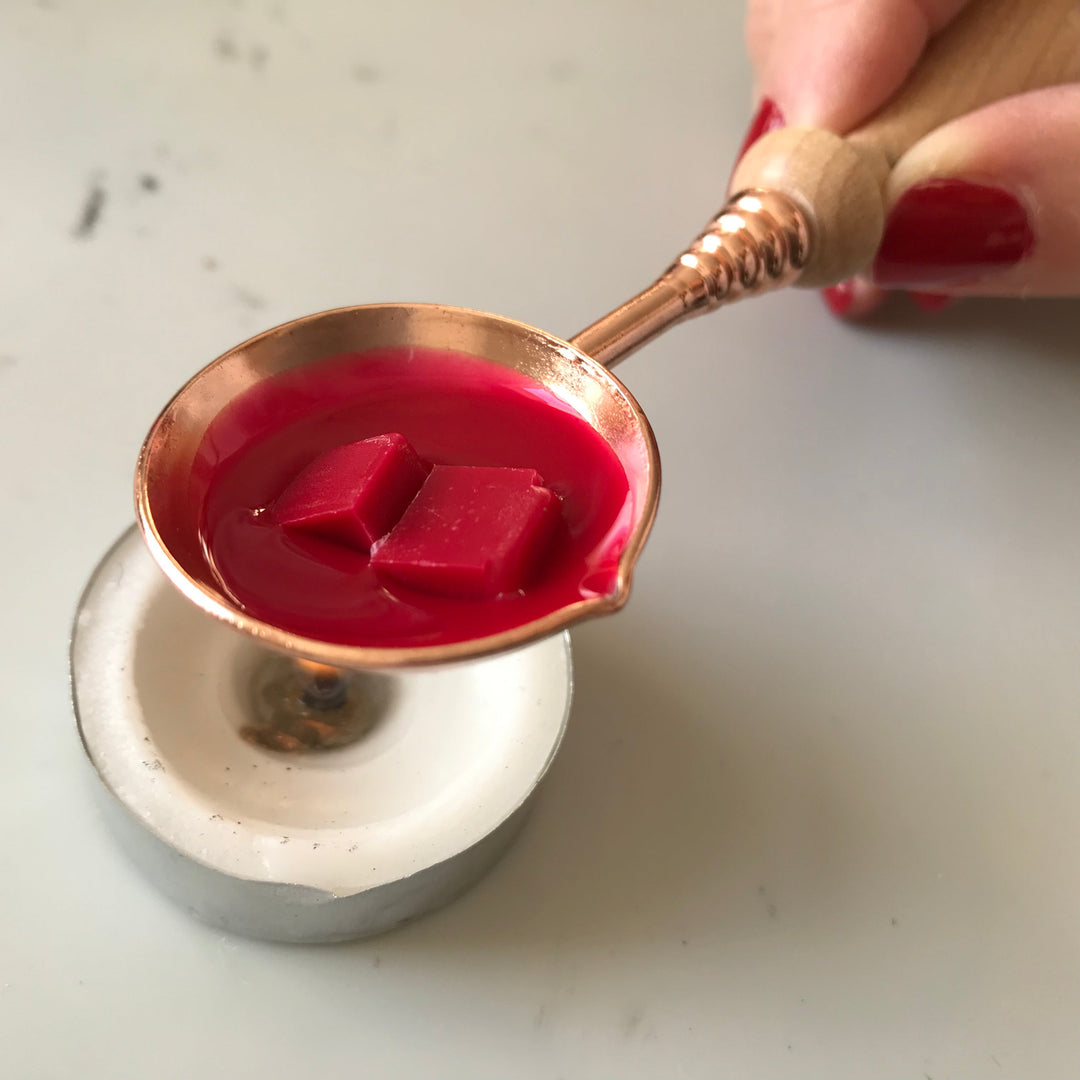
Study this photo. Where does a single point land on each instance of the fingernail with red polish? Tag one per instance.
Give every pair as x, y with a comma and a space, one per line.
767, 118
839, 298
931, 301
952, 232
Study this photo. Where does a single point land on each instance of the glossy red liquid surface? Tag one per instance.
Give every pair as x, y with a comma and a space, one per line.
455, 410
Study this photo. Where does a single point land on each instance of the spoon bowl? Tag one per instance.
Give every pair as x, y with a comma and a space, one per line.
171, 482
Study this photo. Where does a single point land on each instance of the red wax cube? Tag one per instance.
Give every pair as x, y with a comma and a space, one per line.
355, 493
471, 532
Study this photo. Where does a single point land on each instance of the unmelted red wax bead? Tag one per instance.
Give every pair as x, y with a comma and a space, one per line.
353, 494
471, 532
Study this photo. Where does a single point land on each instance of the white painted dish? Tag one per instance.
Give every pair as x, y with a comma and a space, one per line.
322, 846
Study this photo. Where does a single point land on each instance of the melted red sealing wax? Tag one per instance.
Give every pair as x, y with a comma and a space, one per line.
455, 410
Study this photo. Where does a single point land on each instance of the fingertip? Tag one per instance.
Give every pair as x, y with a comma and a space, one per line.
769, 117
948, 231
852, 299
985, 205
839, 298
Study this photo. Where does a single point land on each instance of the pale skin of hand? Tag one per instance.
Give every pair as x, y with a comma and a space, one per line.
832, 63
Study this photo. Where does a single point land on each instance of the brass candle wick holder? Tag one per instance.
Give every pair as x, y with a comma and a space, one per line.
297, 706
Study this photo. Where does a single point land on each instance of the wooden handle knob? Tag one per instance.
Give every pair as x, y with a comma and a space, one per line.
994, 49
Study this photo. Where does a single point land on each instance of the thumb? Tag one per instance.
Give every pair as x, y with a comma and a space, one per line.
986, 205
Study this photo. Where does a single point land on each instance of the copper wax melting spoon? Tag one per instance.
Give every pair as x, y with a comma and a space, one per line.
810, 210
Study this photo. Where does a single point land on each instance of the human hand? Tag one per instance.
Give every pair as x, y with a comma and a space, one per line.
987, 205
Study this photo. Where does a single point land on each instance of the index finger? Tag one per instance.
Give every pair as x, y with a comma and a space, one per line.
832, 63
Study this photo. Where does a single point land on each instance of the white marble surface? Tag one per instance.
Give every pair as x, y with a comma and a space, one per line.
818, 814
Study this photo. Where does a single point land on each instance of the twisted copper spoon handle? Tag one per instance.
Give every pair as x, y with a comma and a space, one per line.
759, 241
